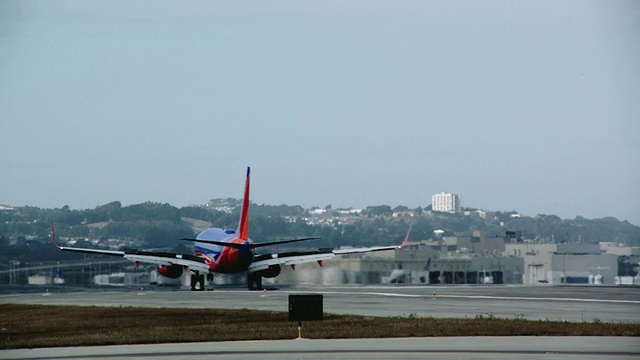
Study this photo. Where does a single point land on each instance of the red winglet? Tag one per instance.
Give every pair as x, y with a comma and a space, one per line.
53, 235
406, 239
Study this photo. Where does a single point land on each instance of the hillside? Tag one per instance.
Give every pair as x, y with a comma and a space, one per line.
25, 231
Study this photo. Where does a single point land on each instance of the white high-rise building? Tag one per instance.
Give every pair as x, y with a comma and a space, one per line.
445, 202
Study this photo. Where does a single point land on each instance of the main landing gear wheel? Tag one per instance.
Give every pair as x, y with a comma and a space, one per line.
254, 281
196, 279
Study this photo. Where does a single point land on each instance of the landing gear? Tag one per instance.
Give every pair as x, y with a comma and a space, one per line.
196, 279
254, 281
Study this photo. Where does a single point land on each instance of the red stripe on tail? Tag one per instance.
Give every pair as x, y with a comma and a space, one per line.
243, 228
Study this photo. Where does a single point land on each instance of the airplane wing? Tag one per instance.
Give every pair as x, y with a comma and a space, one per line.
263, 262
147, 257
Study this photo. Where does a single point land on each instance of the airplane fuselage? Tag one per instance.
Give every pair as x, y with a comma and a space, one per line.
224, 259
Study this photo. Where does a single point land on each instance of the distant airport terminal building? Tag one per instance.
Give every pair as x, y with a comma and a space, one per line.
445, 202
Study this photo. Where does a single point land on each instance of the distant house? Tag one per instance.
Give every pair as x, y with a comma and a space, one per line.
317, 211
407, 213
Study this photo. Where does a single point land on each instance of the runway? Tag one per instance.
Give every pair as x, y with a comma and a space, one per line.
570, 303
519, 348
577, 304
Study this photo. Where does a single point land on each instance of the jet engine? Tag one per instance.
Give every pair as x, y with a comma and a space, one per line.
171, 271
271, 272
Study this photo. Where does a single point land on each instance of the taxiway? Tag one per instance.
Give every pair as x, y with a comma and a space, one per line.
518, 348
607, 304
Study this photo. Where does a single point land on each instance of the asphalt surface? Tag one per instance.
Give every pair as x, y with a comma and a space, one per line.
518, 348
571, 303
607, 304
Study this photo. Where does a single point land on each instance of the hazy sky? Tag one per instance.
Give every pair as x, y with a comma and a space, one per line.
530, 106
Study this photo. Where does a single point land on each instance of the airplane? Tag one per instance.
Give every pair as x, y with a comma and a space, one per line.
228, 251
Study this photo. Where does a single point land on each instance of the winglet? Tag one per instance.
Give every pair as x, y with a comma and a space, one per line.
406, 239
243, 227
53, 235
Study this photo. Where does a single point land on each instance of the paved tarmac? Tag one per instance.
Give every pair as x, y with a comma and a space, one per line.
519, 348
570, 303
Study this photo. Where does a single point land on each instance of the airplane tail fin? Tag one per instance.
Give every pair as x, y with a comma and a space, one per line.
243, 227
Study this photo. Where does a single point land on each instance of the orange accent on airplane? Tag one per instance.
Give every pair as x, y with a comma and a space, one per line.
406, 239
230, 259
53, 234
205, 257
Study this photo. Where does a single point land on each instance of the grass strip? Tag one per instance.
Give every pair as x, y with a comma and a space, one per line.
32, 326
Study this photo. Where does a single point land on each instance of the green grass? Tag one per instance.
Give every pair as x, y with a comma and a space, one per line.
30, 326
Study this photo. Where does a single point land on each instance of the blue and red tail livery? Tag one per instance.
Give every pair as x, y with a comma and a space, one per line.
227, 251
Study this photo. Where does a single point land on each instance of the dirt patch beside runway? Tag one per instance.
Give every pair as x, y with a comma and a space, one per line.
29, 326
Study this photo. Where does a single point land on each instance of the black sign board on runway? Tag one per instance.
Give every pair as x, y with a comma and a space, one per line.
305, 307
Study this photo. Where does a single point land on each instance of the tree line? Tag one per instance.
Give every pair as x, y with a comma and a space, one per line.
25, 231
